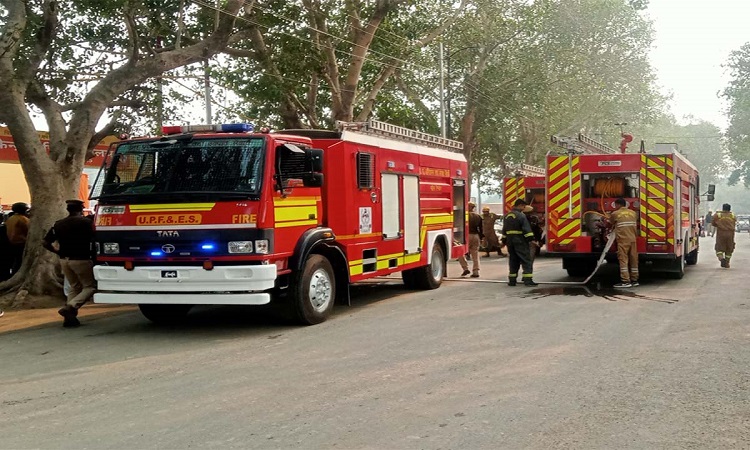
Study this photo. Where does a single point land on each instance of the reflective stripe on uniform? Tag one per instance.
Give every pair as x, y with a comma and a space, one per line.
528, 275
514, 232
512, 275
529, 235
626, 224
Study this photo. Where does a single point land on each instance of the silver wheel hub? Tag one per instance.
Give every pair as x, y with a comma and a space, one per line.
437, 266
320, 290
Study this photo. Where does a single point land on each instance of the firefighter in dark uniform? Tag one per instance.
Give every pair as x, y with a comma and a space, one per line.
517, 235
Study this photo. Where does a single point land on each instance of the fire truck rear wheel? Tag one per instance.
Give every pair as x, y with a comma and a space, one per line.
313, 291
165, 314
678, 268
429, 276
692, 258
580, 268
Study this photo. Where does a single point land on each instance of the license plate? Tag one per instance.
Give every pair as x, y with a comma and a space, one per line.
169, 274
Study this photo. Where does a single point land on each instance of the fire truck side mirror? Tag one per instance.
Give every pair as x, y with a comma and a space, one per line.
315, 158
711, 189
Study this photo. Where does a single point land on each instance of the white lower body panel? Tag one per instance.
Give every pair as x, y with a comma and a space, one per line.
190, 285
182, 299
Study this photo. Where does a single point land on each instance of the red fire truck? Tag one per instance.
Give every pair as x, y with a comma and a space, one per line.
224, 215
529, 184
663, 188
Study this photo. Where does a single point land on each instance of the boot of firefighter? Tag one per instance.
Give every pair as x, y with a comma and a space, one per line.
512, 281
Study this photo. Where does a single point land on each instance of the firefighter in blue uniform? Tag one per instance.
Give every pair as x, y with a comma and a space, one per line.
516, 235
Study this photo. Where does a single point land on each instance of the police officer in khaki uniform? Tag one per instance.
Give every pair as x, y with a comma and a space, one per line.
625, 224
725, 224
74, 236
475, 237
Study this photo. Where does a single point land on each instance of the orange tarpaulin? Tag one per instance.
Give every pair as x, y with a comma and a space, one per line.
13, 187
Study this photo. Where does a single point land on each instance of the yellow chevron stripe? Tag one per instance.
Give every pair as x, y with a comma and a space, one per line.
556, 162
656, 207
563, 184
561, 173
655, 193
557, 198
659, 221
658, 232
566, 230
656, 177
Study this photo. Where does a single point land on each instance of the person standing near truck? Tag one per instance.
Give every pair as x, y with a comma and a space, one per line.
74, 236
625, 224
517, 235
475, 237
725, 223
708, 225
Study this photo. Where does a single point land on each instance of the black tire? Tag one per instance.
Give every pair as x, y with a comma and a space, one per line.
165, 314
410, 281
429, 276
677, 271
312, 292
692, 258
579, 267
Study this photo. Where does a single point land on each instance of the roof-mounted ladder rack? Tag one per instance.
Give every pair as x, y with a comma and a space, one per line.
583, 144
378, 128
527, 170
594, 146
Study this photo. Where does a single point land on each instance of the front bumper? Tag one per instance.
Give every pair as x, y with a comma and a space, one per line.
223, 285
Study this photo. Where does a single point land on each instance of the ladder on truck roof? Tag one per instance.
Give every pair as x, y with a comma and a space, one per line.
582, 144
527, 170
378, 128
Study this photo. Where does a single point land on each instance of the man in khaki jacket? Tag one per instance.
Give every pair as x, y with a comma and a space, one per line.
725, 223
625, 224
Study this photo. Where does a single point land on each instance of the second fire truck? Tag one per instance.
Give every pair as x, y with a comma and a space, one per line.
662, 187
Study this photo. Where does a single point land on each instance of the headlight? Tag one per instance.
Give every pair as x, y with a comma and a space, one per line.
241, 247
261, 246
111, 248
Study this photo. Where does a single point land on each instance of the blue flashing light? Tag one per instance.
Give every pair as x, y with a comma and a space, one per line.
237, 127
208, 247
157, 253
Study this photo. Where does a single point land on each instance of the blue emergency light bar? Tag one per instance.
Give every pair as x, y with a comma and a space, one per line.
219, 128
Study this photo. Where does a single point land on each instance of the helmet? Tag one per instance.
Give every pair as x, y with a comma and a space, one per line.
486, 209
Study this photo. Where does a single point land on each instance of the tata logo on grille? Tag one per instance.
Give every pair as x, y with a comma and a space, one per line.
169, 233
610, 163
167, 248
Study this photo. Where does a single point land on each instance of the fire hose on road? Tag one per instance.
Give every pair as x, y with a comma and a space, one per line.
599, 263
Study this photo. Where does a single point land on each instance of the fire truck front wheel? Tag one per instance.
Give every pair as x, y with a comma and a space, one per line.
164, 314
313, 291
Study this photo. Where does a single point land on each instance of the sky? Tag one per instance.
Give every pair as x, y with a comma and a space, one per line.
693, 39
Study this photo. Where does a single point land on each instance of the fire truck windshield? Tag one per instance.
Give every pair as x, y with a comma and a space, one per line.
206, 167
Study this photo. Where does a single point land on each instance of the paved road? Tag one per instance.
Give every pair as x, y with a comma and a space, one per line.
470, 365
